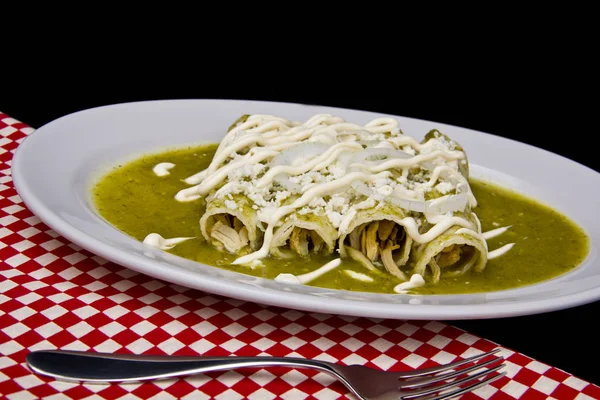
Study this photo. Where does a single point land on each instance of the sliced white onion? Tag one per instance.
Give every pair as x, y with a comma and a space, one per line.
441, 205
374, 156
299, 154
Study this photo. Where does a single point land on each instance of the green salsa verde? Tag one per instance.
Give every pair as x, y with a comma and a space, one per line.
135, 200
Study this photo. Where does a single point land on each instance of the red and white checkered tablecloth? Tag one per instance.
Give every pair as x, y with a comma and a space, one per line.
53, 294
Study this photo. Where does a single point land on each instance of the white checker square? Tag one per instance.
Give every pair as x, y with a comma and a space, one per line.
41, 345
143, 327
467, 338
59, 297
263, 329
16, 199
293, 343
439, 341
414, 360
171, 345
178, 299
70, 273
583, 396
326, 357
54, 312
120, 298
150, 298
384, 362
44, 260
545, 385
261, 394
325, 394
206, 312
262, 377
80, 329
17, 260
48, 329
139, 346
8, 285
99, 272
202, 346
514, 389
195, 395
379, 330
10, 273
207, 300
292, 315
108, 346
9, 219
407, 329
95, 286
64, 286
15, 208
77, 346
381, 344
235, 313
443, 357
294, 377
28, 298
89, 298
6, 362
101, 261
4, 232
354, 359
28, 381
174, 327
112, 329
15, 330
234, 329
352, 344
233, 345
51, 244
410, 344
293, 328
322, 329
575, 383
204, 328
116, 312
32, 286
294, 394
177, 311
153, 285
538, 367
323, 343
123, 286
85, 312
350, 329
146, 311
263, 344
229, 394
23, 245
264, 315
230, 378
33, 220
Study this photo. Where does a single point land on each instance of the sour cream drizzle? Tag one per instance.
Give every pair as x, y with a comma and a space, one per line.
272, 135
159, 242
162, 169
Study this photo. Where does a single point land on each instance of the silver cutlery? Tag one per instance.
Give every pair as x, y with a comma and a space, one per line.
437, 383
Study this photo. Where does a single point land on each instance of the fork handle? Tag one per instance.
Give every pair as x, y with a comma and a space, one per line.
104, 368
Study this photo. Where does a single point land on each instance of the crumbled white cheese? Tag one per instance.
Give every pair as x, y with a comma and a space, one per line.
230, 204
444, 187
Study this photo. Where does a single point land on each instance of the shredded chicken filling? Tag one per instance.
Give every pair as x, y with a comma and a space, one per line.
457, 257
378, 242
228, 233
304, 241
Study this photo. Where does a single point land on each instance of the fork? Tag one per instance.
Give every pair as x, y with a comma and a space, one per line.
364, 382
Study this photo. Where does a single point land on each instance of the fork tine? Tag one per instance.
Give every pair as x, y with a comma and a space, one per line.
470, 388
438, 388
416, 382
433, 370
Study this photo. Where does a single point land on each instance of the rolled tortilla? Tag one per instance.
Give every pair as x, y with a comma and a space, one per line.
231, 224
303, 234
453, 253
376, 236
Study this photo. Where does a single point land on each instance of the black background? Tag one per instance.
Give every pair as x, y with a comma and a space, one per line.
537, 93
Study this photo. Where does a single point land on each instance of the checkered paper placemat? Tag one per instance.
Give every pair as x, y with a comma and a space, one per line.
54, 294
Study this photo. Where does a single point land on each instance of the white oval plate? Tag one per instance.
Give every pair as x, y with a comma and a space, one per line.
53, 170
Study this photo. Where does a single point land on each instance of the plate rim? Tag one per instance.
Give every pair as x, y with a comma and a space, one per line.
217, 286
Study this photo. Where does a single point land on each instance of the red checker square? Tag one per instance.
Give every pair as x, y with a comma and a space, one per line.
213, 387
564, 392
245, 385
78, 392
9, 386
29, 338
114, 391
278, 386
181, 389
35, 320
308, 350
592, 391
519, 359
42, 391
526, 376
338, 351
